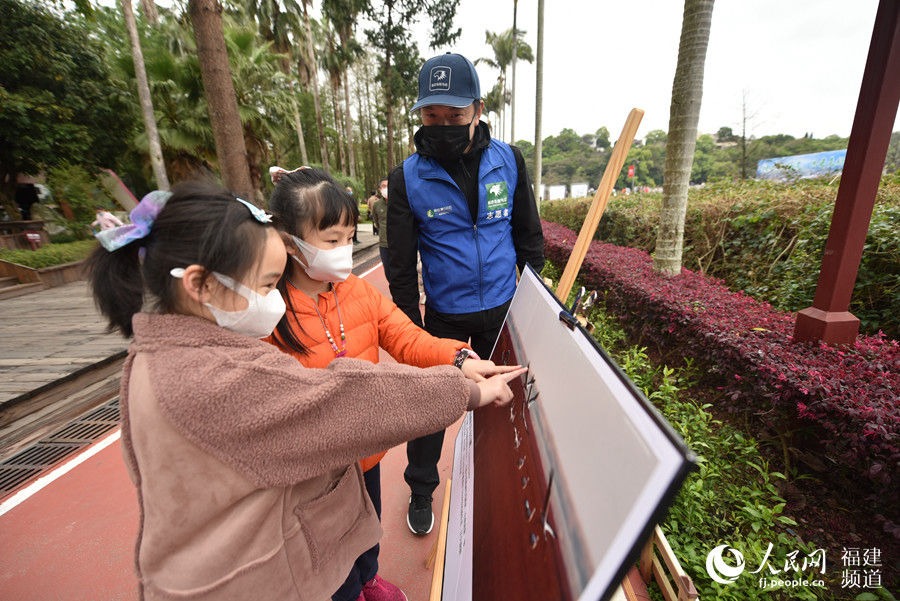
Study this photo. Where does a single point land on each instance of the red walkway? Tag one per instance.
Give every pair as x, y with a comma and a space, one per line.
73, 539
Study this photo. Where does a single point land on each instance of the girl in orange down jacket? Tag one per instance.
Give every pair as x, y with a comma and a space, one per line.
332, 313
244, 461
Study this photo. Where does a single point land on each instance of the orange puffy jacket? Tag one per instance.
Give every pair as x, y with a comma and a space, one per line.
371, 320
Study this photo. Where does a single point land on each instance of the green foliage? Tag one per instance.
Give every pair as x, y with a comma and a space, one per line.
765, 238
879, 594
571, 158
50, 255
72, 185
733, 496
59, 104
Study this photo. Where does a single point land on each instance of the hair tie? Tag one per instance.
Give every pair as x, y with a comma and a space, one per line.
276, 172
142, 217
257, 213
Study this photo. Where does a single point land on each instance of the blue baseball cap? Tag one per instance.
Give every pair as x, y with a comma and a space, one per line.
447, 79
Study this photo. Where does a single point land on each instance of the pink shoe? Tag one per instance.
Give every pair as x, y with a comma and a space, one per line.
379, 589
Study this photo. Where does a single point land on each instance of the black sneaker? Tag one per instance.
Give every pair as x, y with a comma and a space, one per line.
420, 519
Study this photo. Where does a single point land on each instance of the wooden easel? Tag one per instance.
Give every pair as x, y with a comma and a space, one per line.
598, 205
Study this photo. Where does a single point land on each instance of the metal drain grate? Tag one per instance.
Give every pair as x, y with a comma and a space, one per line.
47, 452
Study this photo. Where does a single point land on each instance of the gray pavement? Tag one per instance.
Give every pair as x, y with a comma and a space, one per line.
49, 334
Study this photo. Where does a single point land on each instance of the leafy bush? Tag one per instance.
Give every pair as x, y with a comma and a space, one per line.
836, 408
74, 187
732, 498
766, 239
50, 255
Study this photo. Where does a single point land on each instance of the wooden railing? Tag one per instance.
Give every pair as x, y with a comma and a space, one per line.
658, 562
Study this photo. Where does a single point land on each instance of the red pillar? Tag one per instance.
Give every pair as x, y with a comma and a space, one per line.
829, 319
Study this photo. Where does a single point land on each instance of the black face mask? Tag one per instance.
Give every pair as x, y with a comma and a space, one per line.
443, 142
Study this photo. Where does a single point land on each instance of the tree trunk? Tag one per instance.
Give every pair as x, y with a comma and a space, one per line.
374, 169
539, 106
206, 18
314, 86
298, 127
256, 154
512, 106
687, 92
388, 109
348, 125
338, 117
148, 7
140, 73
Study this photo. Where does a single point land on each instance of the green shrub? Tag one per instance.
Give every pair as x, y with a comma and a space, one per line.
732, 498
74, 187
764, 238
50, 255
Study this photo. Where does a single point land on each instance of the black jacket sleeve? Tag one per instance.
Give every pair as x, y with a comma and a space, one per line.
403, 243
528, 236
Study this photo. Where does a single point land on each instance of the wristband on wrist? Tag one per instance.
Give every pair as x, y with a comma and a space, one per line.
461, 356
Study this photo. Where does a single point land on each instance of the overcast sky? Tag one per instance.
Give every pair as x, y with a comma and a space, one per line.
798, 63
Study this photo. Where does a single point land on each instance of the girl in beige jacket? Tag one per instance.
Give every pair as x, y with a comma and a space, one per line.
232, 507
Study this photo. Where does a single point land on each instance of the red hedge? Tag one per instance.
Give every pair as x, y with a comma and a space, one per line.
840, 403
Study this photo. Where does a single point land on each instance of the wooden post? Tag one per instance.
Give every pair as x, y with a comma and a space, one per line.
598, 205
829, 319
437, 579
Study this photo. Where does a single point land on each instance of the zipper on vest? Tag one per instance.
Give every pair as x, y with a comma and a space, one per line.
480, 266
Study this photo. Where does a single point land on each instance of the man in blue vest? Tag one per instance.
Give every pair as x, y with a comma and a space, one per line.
465, 203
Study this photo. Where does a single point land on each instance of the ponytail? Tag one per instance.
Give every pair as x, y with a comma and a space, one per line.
115, 278
198, 224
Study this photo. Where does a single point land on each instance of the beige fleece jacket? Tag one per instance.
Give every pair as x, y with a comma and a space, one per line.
245, 462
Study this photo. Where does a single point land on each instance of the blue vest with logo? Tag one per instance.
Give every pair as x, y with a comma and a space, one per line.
466, 267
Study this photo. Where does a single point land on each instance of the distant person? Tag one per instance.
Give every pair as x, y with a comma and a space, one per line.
333, 314
245, 462
378, 211
105, 220
465, 202
26, 196
373, 196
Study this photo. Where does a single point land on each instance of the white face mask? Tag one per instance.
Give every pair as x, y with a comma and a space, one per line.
259, 318
325, 265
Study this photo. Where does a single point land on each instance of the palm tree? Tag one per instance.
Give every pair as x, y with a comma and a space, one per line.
148, 7
313, 82
343, 15
140, 72
515, 56
277, 22
263, 95
206, 19
332, 62
684, 114
539, 105
177, 90
503, 45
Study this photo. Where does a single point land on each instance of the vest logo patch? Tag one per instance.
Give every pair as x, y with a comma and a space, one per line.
439, 211
497, 196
